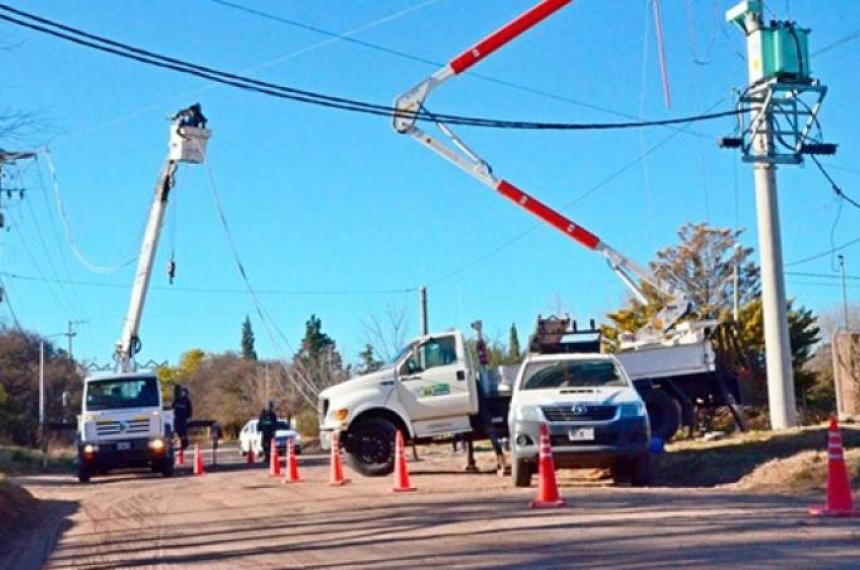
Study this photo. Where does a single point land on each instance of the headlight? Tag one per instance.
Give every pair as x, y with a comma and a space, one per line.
529, 414
632, 410
90, 449
340, 415
157, 445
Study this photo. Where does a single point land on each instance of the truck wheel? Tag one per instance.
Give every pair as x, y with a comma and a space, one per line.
370, 446
84, 474
640, 470
167, 467
664, 413
521, 472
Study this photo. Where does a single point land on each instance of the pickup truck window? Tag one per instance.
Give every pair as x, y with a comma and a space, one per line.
571, 374
113, 394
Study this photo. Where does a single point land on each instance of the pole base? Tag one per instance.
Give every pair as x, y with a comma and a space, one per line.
546, 504
823, 511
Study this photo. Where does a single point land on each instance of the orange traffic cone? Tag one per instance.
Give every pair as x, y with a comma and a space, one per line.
198, 461
547, 488
839, 501
401, 469
180, 457
292, 471
274, 460
336, 475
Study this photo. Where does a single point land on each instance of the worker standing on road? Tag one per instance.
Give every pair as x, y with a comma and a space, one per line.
266, 427
182, 412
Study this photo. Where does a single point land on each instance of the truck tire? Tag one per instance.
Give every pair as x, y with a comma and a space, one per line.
166, 467
664, 413
84, 474
521, 473
640, 470
370, 446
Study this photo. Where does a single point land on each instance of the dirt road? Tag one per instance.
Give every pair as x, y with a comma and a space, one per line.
237, 517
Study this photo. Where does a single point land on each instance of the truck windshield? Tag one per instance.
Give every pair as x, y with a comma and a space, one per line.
114, 393
571, 374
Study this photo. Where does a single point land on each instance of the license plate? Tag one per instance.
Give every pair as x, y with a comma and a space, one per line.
123, 446
581, 434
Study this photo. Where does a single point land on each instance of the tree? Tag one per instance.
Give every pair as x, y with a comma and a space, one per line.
514, 354
19, 386
388, 333
369, 363
803, 333
318, 358
248, 352
702, 267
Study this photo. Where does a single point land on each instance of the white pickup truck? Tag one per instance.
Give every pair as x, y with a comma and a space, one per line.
429, 391
123, 424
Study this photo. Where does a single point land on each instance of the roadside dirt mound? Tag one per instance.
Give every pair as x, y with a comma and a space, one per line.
800, 474
14, 502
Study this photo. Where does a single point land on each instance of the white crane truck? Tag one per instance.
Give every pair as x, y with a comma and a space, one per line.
671, 362
123, 421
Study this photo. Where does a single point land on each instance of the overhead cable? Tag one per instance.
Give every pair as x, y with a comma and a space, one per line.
85, 261
107, 45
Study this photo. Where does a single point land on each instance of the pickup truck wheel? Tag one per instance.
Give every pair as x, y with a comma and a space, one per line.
84, 474
370, 446
664, 413
521, 472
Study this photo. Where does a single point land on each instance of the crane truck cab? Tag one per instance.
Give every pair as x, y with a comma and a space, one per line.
428, 391
123, 424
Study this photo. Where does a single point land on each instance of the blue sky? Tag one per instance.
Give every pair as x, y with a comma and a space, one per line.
344, 214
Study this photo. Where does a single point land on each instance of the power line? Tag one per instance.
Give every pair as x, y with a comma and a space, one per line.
835, 187
226, 291
600, 185
106, 45
345, 37
824, 253
850, 37
822, 275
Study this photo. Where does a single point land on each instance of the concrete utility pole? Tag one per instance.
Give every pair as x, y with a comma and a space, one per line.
780, 375
71, 333
844, 290
780, 131
422, 309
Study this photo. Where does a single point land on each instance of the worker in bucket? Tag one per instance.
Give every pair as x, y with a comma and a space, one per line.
182, 412
266, 427
191, 117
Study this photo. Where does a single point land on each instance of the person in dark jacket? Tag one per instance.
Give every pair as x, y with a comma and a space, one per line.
266, 427
182, 412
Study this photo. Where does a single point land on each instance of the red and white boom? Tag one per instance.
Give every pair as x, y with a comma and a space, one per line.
409, 105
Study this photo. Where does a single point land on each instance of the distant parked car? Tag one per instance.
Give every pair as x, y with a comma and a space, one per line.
251, 441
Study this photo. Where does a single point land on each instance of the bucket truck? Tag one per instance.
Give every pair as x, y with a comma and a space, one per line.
123, 422
671, 360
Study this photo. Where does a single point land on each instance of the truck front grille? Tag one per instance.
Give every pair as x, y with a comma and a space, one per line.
578, 413
111, 427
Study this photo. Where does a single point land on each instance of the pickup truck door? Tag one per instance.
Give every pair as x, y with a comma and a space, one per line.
436, 381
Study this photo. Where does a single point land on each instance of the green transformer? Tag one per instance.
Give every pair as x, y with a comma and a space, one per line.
779, 50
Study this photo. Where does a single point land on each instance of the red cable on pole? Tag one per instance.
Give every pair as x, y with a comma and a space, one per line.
661, 53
